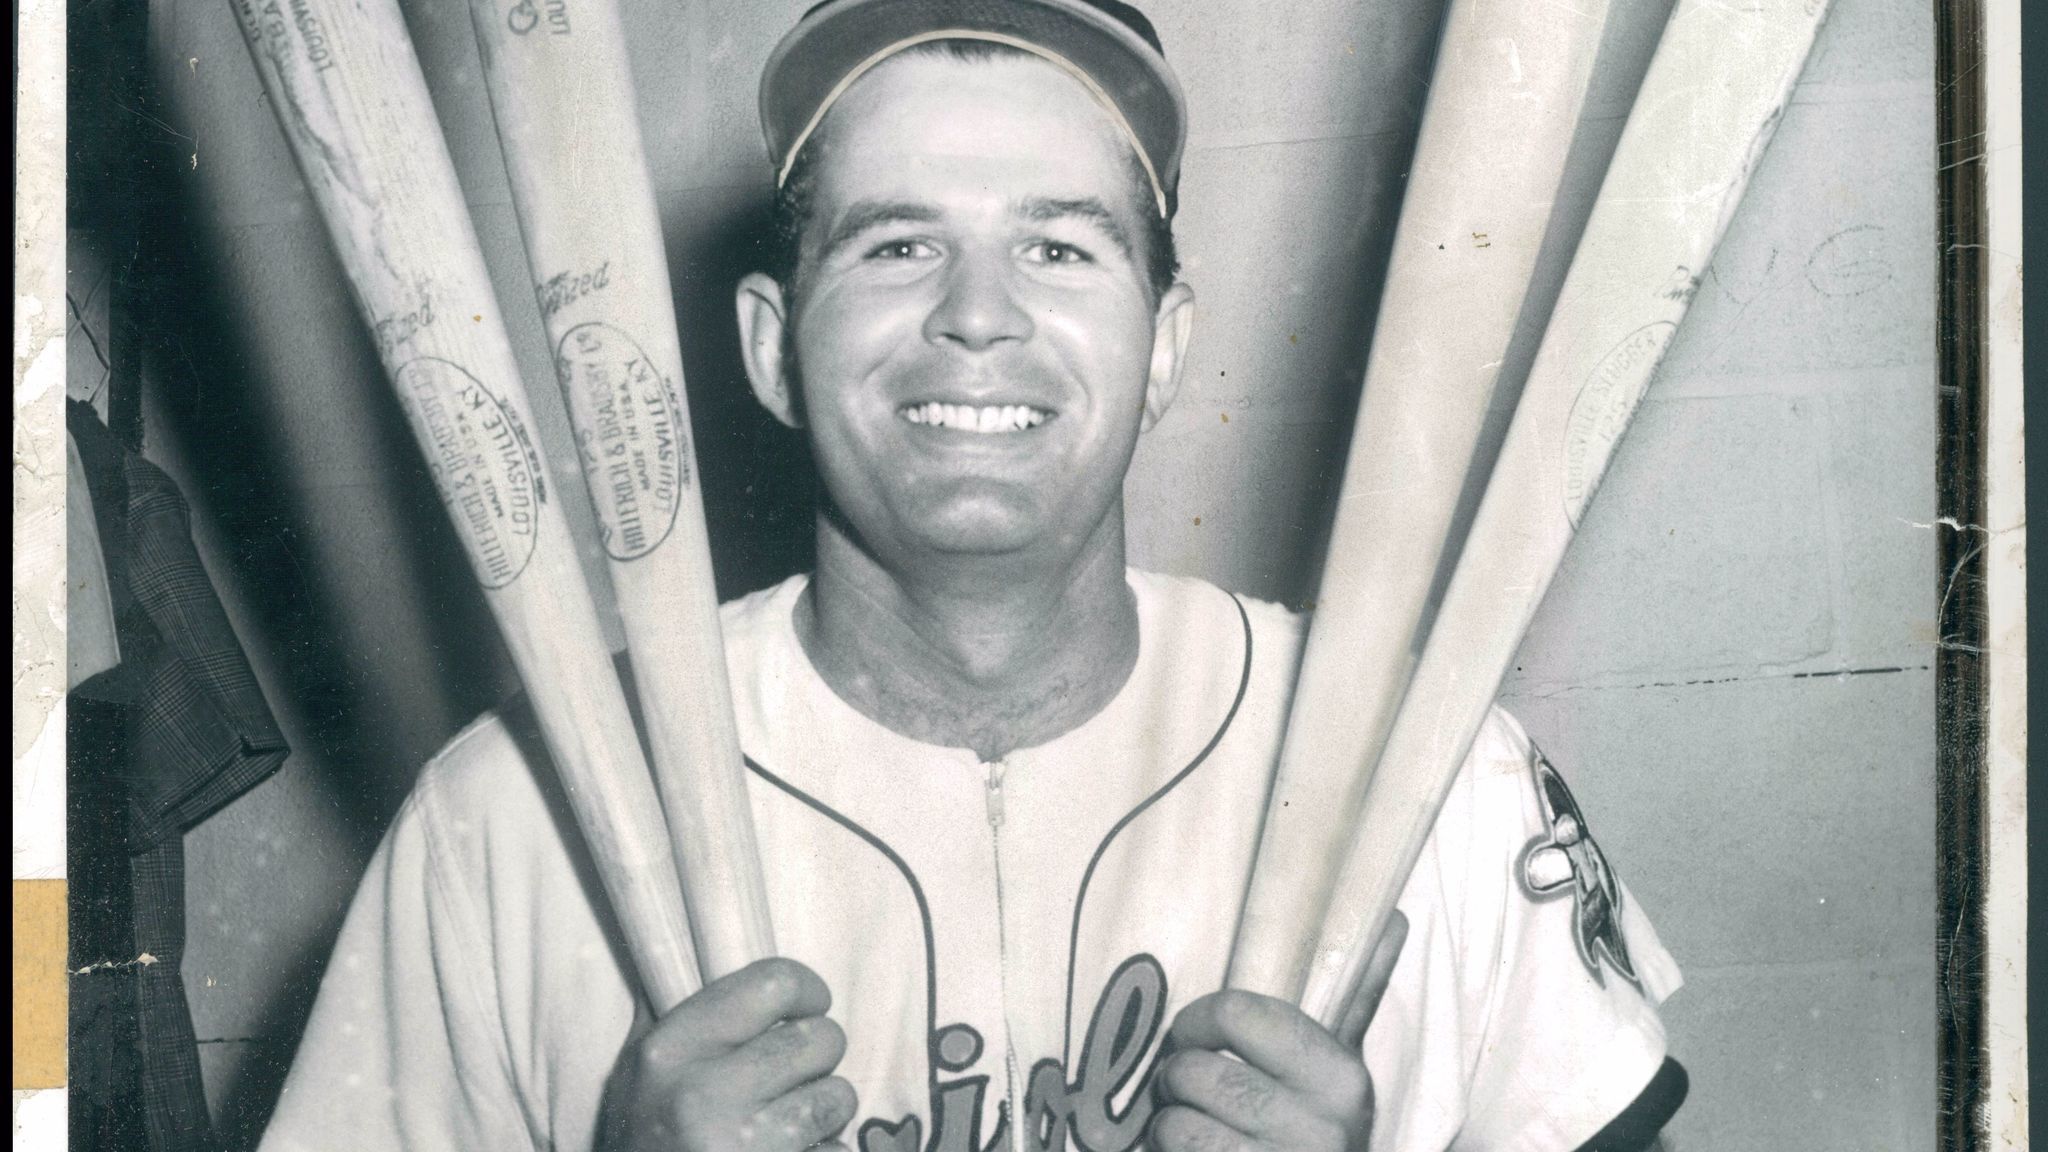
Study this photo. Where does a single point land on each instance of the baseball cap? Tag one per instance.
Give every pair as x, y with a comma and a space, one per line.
1109, 47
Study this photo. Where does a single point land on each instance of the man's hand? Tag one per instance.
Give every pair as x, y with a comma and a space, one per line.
1292, 1086
742, 1066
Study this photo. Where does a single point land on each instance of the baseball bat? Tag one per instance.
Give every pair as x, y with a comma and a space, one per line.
1715, 91
353, 104
561, 90
1505, 98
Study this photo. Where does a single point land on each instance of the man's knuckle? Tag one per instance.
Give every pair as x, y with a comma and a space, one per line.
1211, 1137
1182, 1129
1234, 1010
828, 1039
778, 979
1246, 1093
648, 1058
659, 1061
1170, 1127
1179, 1073
802, 1033
805, 1113
1349, 1081
1327, 1135
773, 1125
689, 1128
1304, 1035
840, 1101
802, 1117
783, 1046
692, 1106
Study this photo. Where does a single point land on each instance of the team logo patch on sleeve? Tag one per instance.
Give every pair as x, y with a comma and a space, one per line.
1564, 859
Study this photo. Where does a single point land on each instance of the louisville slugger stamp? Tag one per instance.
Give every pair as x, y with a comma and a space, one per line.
482, 460
625, 414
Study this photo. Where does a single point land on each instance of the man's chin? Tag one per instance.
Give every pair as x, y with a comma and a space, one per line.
979, 537
992, 524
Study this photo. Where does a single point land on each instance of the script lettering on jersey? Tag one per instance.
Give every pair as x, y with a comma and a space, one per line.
1059, 1113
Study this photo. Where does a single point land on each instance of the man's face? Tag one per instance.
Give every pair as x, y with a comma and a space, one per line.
973, 333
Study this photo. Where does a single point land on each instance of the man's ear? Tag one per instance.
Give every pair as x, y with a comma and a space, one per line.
1171, 326
764, 323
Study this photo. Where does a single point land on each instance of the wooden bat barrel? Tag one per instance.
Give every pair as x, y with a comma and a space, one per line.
348, 92
562, 91
1714, 95
1503, 105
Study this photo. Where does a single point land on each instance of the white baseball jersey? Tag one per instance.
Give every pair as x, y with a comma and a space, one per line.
1006, 941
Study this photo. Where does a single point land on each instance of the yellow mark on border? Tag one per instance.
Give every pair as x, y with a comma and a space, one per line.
41, 994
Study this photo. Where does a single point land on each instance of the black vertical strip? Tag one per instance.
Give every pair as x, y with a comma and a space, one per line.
1959, 660
111, 133
105, 1103
126, 332
104, 60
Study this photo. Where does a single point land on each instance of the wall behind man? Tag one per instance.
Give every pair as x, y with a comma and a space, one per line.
1732, 670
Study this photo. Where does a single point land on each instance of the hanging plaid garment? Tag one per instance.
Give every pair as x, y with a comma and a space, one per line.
198, 733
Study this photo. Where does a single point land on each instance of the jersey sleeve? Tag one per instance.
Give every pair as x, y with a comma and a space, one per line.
1563, 970
400, 1054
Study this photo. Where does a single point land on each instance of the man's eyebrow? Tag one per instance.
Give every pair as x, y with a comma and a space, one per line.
867, 214
1045, 209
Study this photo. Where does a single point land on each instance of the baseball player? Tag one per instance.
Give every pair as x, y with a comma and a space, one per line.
1007, 788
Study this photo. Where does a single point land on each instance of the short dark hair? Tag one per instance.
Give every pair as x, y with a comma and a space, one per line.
790, 214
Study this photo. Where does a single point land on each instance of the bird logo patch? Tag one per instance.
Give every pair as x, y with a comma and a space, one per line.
1564, 859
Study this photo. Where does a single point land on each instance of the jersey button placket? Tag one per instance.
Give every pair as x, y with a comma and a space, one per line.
995, 770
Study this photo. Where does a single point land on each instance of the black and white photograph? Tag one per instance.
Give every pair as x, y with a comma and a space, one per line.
1027, 576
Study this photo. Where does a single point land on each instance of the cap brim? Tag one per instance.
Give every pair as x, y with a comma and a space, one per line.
837, 42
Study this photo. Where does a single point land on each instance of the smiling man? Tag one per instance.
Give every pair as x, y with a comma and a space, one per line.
1007, 788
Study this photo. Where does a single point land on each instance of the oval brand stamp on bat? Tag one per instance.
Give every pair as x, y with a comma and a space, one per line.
483, 462
1601, 411
629, 428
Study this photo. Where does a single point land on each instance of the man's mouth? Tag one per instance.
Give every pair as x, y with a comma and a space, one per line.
987, 419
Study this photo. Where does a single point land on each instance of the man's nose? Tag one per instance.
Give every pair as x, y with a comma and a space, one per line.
979, 308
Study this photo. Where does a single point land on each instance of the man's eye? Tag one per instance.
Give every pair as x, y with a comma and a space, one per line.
1055, 252
901, 250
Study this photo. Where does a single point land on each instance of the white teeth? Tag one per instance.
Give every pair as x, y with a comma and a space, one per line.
985, 419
